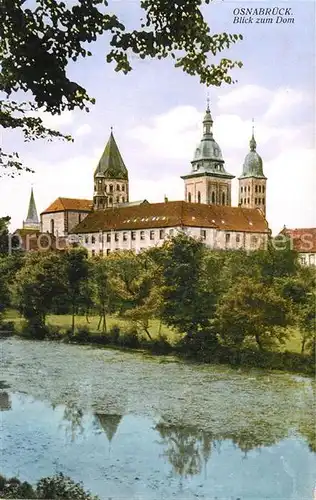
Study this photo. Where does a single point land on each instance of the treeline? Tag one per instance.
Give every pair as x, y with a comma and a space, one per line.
212, 299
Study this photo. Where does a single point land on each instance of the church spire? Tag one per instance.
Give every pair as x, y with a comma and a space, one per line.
208, 120
32, 220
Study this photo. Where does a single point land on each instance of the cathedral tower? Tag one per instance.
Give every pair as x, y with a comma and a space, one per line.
110, 178
252, 182
32, 220
208, 182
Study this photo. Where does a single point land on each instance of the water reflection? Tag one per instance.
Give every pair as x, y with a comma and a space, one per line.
187, 449
72, 421
5, 401
109, 424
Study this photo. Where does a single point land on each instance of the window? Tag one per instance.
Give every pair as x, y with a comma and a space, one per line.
241, 189
93, 253
124, 236
237, 238
223, 199
256, 189
259, 189
248, 189
110, 201
86, 239
227, 237
262, 201
117, 199
142, 235
248, 200
203, 234
213, 197
259, 201
118, 187
254, 240
108, 251
312, 259
189, 197
52, 226
256, 201
303, 259
108, 237
111, 188
100, 237
101, 253
92, 239
199, 197
152, 235
241, 201
116, 236
161, 234
123, 187
133, 235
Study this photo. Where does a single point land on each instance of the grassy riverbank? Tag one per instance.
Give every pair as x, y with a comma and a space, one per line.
124, 335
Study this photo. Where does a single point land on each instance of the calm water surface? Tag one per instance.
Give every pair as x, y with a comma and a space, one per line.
131, 426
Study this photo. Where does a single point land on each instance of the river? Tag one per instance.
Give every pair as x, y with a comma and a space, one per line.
138, 427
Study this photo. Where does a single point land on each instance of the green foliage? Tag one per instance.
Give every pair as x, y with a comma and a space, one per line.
38, 42
4, 235
77, 274
186, 302
52, 488
252, 311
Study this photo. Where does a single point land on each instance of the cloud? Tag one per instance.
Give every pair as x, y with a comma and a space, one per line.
84, 129
281, 101
243, 94
56, 121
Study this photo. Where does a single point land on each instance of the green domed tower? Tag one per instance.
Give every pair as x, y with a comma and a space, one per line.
252, 182
208, 182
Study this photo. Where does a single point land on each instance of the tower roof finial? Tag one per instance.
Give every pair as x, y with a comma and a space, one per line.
253, 143
208, 101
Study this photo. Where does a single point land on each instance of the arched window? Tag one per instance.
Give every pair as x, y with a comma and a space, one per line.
213, 197
241, 189
248, 201
248, 189
256, 201
123, 187
223, 199
189, 197
199, 197
256, 189
117, 199
52, 226
110, 201
111, 188
118, 187
259, 200
259, 189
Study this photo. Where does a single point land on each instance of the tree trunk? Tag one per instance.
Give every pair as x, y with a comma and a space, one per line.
73, 320
303, 345
104, 328
99, 324
147, 332
258, 340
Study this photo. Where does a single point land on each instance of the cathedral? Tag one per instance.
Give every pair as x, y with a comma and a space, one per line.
110, 221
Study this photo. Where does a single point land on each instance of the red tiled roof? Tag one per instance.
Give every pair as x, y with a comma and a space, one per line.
62, 204
174, 214
304, 239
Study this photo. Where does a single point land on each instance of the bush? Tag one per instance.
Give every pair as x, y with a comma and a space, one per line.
114, 334
82, 335
53, 488
130, 338
34, 329
159, 345
54, 332
7, 328
203, 343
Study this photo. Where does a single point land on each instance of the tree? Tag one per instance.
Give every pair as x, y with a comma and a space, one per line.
4, 235
76, 272
36, 45
36, 284
252, 310
186, 298
102, 290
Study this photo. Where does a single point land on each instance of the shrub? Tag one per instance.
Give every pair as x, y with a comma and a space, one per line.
159, 345
54, 332
7, 328
114, 334
82, 335
54, 488
34, 329
130, 338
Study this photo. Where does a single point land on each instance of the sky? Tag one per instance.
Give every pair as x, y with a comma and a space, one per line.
156, 112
